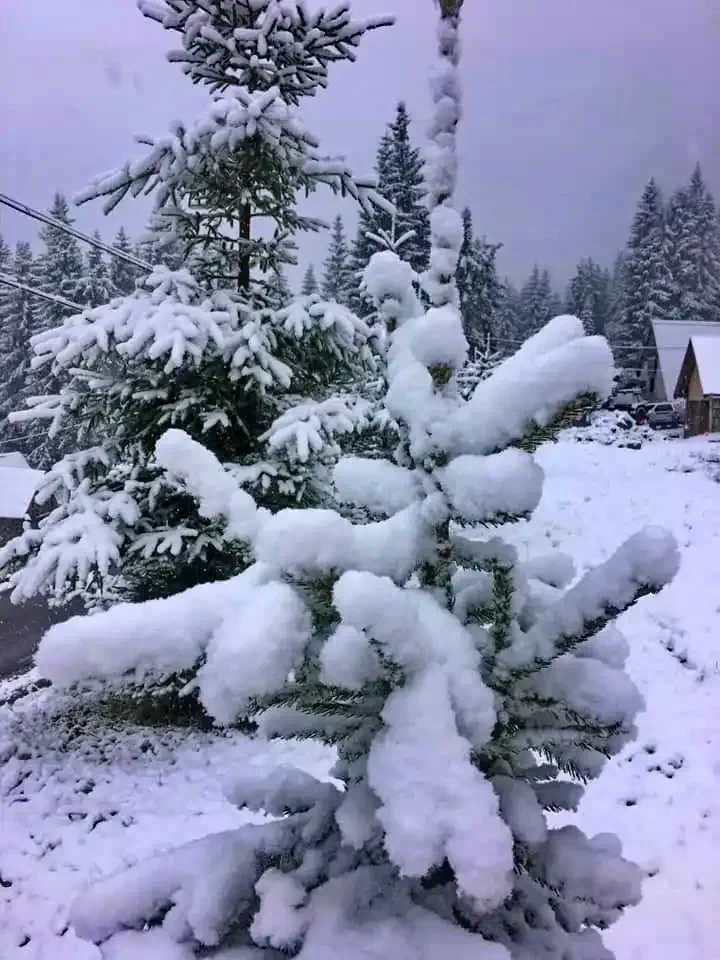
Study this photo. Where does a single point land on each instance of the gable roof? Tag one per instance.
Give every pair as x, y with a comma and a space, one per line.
671, 339
17, 486
707, 358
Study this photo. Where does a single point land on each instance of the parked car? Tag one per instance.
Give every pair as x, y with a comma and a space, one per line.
624, 400
664, 416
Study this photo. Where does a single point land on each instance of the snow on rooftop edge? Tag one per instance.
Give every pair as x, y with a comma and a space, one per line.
17, 487
707, 358
14, 459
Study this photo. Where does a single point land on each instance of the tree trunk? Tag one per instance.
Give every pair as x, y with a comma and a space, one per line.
244, 265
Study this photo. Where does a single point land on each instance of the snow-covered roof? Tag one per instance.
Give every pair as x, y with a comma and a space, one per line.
672, 338
14, 459
17, 487
707, 358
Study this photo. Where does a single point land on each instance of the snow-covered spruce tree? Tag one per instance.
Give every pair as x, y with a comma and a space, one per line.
399, 169
309, 283
17, 321
204, 349
692, 236
536, 305
58, 270
507, 319
647, 289
123, 275
95, 286
466, 694
588, 296
338, 279
478, 286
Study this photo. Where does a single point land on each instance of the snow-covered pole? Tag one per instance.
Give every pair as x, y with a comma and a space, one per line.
442, 165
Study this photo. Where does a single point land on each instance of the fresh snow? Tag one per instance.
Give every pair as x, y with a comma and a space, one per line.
80, 800
17, 486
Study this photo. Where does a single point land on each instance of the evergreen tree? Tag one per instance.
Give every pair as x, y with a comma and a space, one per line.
58, 270
647, 293
616, 295
466, 694
17, 322
94, 286
508, 324
123, 275
338, 281
693, 252
279, 292
207, 350
478, 286
588, 296
538, 303
309, 284
399, 175
60, 267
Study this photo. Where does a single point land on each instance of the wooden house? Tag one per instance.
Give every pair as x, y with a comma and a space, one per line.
698, 384
670, 340
18, 483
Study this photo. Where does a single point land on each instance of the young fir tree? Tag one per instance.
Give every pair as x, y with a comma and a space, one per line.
17, 322
647, 293
94, 286
123, 275
309, 284
588, 296
279, 292
478, 287
338, 280
400, 178
467, 694
693, 252
205, 350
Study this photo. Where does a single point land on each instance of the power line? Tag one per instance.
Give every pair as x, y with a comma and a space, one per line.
78, 234
52, 297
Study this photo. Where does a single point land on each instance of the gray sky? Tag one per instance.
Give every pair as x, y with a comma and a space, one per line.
570, 105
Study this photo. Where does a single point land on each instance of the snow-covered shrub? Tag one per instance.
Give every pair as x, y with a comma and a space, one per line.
612, 428
205, 348
466, 693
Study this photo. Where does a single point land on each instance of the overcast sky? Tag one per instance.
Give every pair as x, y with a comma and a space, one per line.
570, 105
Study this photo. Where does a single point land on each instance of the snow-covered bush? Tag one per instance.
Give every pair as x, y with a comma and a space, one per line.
466, 693
612, 428
205, 348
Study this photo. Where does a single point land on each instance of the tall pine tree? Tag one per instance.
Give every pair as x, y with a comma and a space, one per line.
508, 324
647, 288
538, 303
478, 286
588, 296
693, 252
95, 286
123, 275
205, 348
338, 281
17, 323
399, 175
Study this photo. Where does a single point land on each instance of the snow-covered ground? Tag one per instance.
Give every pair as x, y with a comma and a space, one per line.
79, 800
